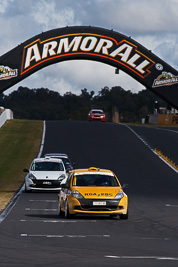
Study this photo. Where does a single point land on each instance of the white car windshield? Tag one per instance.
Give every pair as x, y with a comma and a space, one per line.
47, 166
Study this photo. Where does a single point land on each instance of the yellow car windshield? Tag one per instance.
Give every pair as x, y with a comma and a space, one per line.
95, 180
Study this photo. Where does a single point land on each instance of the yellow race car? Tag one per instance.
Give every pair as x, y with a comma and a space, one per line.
92, 191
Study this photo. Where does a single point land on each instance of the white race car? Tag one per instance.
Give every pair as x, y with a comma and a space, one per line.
67, 163
45, 174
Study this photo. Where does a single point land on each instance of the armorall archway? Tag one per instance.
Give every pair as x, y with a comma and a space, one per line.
90, 43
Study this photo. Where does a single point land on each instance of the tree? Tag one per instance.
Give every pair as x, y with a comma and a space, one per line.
44, 104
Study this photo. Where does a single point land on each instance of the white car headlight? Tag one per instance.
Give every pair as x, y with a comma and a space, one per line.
61, 177
76, 194
32, 177
119, 195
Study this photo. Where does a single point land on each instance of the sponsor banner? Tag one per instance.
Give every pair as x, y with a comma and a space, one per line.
166, 78
125, 53
168, 119
7, 73
90, 43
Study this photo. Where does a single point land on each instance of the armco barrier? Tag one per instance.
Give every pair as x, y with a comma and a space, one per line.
153, 119
6, 115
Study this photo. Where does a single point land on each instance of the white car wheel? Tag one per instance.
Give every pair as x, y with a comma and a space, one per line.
26, 189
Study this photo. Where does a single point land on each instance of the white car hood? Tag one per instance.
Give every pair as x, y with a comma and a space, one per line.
44, 175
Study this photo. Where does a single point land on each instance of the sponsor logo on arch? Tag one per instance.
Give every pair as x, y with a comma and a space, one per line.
92, 45
7, 72
166, 78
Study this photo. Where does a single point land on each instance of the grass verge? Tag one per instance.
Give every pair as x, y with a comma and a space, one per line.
19, 144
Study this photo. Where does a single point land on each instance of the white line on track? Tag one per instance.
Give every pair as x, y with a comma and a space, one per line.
64, 236
42, 200
11, 204
166, 130
150, 147
169, 205
49, 221
41, 209
144, 257
58, 221
154, 238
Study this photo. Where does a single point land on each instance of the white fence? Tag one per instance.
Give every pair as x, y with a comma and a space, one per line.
6, 115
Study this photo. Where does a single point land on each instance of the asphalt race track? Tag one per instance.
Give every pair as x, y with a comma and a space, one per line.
33, 235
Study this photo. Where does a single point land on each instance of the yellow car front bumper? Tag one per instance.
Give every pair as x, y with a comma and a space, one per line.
98, 206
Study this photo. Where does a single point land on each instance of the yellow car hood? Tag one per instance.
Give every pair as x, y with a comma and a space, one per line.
98, 192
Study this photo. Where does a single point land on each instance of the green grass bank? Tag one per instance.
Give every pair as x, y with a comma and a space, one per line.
19, 143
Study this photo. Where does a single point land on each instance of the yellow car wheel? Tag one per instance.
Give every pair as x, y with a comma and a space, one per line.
67, 213
113, 215
124, 216
59, 211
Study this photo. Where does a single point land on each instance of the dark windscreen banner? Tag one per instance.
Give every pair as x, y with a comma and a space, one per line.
90, 43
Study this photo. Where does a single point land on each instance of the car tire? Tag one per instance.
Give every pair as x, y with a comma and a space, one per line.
26, 190
113, 215
124, 216
59, 211
66, 213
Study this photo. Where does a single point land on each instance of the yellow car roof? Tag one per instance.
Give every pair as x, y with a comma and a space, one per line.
93, 169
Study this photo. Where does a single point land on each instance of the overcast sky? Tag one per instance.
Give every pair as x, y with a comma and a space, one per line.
153, 23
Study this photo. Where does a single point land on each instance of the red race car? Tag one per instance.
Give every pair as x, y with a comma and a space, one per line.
96, 115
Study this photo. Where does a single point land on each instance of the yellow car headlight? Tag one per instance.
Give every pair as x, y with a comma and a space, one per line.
119, 195
76, 194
